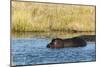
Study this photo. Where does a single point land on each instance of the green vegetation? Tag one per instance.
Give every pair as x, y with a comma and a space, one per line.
42, 17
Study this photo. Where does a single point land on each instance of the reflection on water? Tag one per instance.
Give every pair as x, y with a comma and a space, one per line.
48, 34
30, 48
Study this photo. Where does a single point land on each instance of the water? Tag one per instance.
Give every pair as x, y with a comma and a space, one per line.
26, 51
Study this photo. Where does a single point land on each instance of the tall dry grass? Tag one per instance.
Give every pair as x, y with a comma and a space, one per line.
29, 16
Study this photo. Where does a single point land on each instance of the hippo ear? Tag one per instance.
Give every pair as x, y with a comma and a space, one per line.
53, 40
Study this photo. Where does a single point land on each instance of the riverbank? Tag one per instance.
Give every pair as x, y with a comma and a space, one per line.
48, 34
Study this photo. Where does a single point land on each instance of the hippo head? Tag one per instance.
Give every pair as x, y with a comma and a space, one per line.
56, 43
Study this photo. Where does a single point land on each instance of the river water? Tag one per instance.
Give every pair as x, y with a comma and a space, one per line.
32, 51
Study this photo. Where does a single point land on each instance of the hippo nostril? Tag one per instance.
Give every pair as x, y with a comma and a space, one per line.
48, 46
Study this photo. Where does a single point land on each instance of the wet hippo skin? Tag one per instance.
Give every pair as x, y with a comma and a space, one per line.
91, 38
70, 42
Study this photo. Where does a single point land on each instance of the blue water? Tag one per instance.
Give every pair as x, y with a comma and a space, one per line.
26, 51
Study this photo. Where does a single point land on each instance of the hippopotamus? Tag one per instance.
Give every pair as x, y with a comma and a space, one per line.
64, 43
91, 38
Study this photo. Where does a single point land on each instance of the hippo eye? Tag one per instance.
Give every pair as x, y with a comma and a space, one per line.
51, 43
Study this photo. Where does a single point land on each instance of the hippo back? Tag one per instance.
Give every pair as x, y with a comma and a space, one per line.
79, 41
74, 42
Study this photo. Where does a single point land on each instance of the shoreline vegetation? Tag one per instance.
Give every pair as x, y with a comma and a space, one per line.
44, 17
49, 34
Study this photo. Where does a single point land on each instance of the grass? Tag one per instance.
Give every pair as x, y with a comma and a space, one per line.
37, 17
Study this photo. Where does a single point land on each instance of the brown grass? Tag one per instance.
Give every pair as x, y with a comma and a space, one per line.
29, 16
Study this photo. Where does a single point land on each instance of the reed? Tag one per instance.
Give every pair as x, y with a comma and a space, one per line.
28, 16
